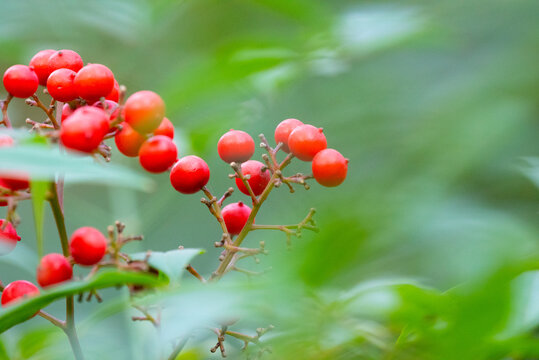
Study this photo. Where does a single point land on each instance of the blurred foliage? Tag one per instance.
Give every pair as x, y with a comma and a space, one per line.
429, 250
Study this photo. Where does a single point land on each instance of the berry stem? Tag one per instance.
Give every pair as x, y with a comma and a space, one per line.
69, 329
237, 169
5, 117
195, 273
55, 321
49, 111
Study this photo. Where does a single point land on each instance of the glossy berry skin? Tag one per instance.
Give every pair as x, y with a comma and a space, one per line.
67, 110
258, 179
53, 269
158, 154
189, 174
235, 216
87, 246
305, 141
144, 111
20, 81
165, 128
60, 85
40, 64
17, 291
283, 130
235, 146
329, 167
8, 237
84, 129
94, 81
128, 141
65, 59
114, 94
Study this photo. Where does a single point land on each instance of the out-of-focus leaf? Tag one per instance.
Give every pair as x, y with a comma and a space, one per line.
532, 170
33, 341
3, 351
45, 163
170, 263
39, 190
24, 310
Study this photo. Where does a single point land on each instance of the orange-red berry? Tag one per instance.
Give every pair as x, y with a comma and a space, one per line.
235, 146
305, 141
114, 94
93, 82
283, 130
40, 64
20, 81
258, 177
189, 174
128, 141
87, 246
17, 291
158, 154
84, 129
65, 59
235, 216
53, 269
60, 85
144, 111
329, 167
165, 128
8, 237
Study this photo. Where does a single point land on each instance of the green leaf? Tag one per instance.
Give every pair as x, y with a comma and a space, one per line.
170, 263
3, 352
43, 163
39, 190
24, 310
35, 340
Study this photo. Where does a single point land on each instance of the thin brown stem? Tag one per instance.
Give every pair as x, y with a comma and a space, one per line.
195, 273
237, 169
57, 322
49, 111
5, 104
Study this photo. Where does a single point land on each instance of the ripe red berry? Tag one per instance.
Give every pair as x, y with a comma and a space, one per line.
65, 59
67, 110
94, 81
53, 269
84, 129
13, 180
8, 237
17, 291
144, 111
165, 128
158, 154
305, 141
87, 246
189, 174
128, 140
20, 81
110, 107
235, 216
258, 179
235, 146
60, 85
114, 94
329, 167
40, 64
283, 130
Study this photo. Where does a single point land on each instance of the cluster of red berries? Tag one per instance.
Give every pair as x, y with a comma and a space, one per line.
87, 247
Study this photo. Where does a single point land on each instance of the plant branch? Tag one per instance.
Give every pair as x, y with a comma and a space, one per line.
57, 322
49, 111
193, 272
4, 104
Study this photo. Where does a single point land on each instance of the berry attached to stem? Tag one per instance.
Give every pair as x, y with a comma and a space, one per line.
158, 154
235, 216
235, 146
189, 174
87, 246
53, 269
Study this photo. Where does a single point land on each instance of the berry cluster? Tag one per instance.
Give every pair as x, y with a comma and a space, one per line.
91, 110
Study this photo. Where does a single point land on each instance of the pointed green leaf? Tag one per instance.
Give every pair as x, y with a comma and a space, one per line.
24, 310
171, 263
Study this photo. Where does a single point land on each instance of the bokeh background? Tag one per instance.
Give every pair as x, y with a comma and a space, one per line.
429, 249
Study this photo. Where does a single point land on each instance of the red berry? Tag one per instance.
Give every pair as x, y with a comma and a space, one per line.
13, 180
306, 141
8, 237
128, 140
94, 81
114, 94
235, 216
60, 85
258, 179
65, 59
144, 111
283, 130
40, 64
67, 110
110, 107
53, 269
17, 291
236, 146
329, 167
84, 129
87, 246
157, 154
166, 128
189, 174
20, 81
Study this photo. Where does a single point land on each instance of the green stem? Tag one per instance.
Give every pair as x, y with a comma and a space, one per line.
69, 329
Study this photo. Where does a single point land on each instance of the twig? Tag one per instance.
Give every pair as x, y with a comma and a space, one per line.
49, 111
193, 272
4, 104
239, 174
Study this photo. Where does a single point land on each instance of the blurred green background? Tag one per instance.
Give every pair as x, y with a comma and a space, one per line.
429, 250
